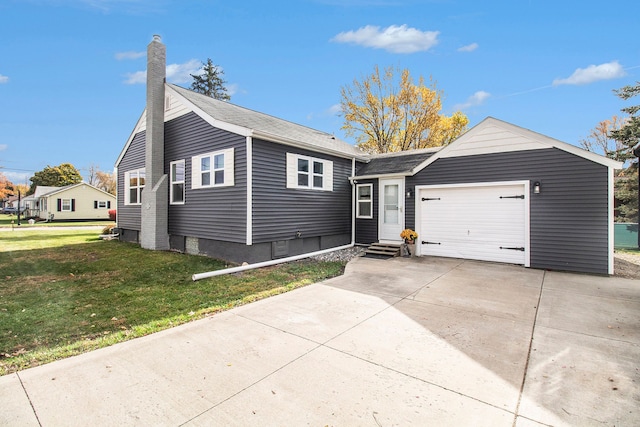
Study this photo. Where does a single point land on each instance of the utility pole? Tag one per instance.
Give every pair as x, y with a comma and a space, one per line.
636, 151
19, 197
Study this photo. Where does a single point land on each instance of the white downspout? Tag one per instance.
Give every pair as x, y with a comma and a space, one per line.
199, 276
353, 203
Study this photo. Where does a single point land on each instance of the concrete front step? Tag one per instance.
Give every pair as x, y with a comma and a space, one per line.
383, 249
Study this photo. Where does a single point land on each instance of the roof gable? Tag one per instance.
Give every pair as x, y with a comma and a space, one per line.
496, 136
57, 190
246, 122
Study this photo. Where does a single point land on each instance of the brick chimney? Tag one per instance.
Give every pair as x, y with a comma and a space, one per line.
155, 196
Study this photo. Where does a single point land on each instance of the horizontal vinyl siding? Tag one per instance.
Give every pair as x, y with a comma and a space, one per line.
280, 212
209, 213
568, 219
367, 229
128, 217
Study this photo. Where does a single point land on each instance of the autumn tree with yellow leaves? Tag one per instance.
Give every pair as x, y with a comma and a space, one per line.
387, 116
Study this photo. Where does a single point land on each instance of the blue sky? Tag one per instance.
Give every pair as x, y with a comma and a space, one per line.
70, 70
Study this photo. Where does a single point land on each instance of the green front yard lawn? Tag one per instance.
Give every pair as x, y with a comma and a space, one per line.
64, 292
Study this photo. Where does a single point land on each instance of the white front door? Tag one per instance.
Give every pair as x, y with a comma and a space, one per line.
391, 210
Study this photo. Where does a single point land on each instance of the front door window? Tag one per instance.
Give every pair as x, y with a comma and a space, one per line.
391, 215
391, 210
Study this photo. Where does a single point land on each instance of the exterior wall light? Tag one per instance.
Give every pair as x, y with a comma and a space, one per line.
409, 194
536, 187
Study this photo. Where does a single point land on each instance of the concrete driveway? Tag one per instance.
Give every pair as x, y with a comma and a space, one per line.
406, 341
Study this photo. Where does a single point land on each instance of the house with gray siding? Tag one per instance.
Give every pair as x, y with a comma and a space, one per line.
234, 184
498, 193
209, 177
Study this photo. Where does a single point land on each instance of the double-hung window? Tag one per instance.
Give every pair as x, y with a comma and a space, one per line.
311, 173
101, 204
212, 169
177, 182
364, 207
66, 205
133, 183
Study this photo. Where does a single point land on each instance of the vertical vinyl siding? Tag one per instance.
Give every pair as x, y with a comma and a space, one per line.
280, 212
209, 213
128, 217
569, 218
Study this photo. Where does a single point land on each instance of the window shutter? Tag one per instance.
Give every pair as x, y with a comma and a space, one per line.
95, 204
292, 170
327, 179
73, 205
108, 204
196, 179
59, 205
229, 163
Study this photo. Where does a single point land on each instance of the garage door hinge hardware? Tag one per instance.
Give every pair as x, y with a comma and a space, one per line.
431, 243
513, 249
424, 199
513, 197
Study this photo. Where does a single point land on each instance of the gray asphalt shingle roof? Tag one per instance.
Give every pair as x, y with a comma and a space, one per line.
265, 124
396, 163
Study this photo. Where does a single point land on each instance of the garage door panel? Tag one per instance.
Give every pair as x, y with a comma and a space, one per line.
474, 222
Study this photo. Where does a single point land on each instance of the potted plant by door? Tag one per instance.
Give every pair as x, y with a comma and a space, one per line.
409, 237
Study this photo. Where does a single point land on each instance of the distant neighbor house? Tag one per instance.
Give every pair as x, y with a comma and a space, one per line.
72, 202
204, 176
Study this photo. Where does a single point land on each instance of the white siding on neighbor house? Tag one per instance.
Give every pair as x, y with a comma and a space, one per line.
84, 197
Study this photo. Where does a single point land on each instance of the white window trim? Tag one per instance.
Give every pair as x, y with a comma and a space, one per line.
358, 201
196, 177
127, 187
292, 173
172, 182
62, 206
103, 202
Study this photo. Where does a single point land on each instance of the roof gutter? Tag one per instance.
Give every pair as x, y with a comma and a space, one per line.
241, 268
386, 175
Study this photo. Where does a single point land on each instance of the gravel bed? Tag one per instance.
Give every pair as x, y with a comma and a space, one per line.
632, 258
341, 255
627, 265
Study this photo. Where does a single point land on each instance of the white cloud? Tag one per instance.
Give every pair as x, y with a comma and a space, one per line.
3, 147
181, 73
395, 39
4, 79
477, 98
232, 88
138, 77
468, 48
334, 110
593, 73
129, 55
176, 73
18, 177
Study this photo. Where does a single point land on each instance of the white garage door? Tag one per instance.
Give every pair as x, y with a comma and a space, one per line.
474, 222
